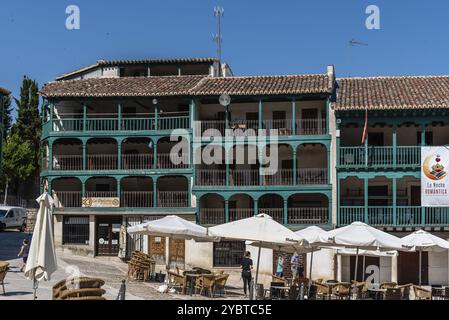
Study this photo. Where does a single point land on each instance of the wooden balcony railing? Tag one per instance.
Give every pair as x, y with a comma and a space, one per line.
212, 216
276, 213
378, 157
312, 176
172, 199
67, 162
404, 216
136, 199
165, 161
69, 199
278, 177
311, 127
241, 177
308, 216
102, 162
210, 177
240, 213
101, 194
137, 161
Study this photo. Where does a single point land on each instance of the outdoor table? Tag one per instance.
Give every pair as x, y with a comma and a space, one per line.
377, 292
283, 291
190, 280
331, 285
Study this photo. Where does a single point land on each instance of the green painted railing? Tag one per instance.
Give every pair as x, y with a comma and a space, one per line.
405, 216
107, 124
379, 157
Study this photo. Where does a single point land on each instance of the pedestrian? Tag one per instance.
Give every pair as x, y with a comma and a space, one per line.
280, 266
294, 265
24, 253
247, 266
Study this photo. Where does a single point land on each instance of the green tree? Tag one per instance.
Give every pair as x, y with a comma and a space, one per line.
16, 161
7, 118
28, 124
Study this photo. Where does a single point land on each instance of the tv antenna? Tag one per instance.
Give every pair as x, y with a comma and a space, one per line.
218, 38
354, 42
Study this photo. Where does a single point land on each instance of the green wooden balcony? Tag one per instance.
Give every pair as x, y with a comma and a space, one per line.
403, 216
113, 124
379, 157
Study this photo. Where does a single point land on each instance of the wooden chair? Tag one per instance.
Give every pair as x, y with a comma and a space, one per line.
422, 294
220, 283
72, 284
405, 291
80, 293
91, 298
205, 283
279, 280
176, 280
393, 294
4, 267
388, 285
322, 290
362, 290
342, 290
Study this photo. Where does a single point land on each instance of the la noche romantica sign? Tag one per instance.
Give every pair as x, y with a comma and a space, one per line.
101, 202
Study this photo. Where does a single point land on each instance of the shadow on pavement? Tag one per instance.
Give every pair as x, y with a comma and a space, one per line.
15, 294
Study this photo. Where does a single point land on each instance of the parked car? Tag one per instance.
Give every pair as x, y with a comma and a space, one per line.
13, 218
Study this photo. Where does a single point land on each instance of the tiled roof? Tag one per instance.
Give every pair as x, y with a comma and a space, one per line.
380, 93
122, 87
4, 91
101, 63
188, 85
264, 85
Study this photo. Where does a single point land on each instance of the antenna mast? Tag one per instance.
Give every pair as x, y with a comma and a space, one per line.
219, 13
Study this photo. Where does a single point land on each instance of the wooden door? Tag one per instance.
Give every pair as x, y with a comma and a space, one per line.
108, 236
408, 268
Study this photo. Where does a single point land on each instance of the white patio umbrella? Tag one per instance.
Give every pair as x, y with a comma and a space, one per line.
360, 236
425, 241
42, 256
172, 227
261, 230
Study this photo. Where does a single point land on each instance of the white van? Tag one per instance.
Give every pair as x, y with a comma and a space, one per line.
13, 218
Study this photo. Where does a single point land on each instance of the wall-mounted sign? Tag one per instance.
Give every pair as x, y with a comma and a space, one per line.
101, 202
435, 177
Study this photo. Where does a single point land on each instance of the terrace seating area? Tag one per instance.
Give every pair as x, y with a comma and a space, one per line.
79, 288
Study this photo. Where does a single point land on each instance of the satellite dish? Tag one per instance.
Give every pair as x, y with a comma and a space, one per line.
225, 100
155, 101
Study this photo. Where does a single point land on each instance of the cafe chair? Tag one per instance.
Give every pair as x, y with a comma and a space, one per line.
388, 285
405, 291
422, 294
393, 294
342, 291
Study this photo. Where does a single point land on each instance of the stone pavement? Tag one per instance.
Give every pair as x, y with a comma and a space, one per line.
111, 270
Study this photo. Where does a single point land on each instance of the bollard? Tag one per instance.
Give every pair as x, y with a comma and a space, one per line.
122, 291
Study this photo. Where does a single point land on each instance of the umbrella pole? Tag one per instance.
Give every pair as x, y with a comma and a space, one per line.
35, 285
176, 261
363, 270
356, 264
420, 265
258, 264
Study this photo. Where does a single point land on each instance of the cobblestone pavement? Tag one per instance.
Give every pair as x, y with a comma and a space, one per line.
111, 270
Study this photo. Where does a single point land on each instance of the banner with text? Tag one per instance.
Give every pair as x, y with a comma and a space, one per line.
434, 177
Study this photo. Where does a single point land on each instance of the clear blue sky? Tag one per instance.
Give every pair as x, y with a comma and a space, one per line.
260, 37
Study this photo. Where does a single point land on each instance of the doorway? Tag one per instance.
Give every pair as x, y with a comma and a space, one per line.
408, 268
108, 235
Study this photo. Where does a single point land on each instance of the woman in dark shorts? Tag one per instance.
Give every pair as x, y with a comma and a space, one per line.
24, 253
247, 266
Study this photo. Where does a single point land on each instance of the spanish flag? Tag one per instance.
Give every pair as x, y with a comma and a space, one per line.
365, 129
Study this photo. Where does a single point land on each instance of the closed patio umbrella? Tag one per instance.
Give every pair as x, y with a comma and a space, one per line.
42, 256
425, 241
360, 236
261, 230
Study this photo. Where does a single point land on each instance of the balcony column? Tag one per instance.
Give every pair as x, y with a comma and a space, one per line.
226, 211
155, 204
366, 197
193, 117
328, 103
84, 155
119, 155
198, 210
366, 151
395, 156
294, 116
189, 192
84, 117
50, 155
423, 144
260, 114
118, 188
338, 213
256, 206
52, 106
285, 212
50, 186
156, 117
394, 201
83, 188
119, 112
155, 154
295, 168
227, 166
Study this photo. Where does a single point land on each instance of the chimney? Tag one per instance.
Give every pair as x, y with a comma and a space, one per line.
331, 75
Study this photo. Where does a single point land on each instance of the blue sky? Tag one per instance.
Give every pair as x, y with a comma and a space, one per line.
260, 37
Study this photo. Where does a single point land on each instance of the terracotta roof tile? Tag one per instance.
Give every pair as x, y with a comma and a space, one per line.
188, 85
4, 91
379, 93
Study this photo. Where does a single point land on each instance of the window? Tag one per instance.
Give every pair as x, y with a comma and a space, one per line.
228, 254
75, 230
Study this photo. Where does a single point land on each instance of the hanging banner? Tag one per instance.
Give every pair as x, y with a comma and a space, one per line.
434, 177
